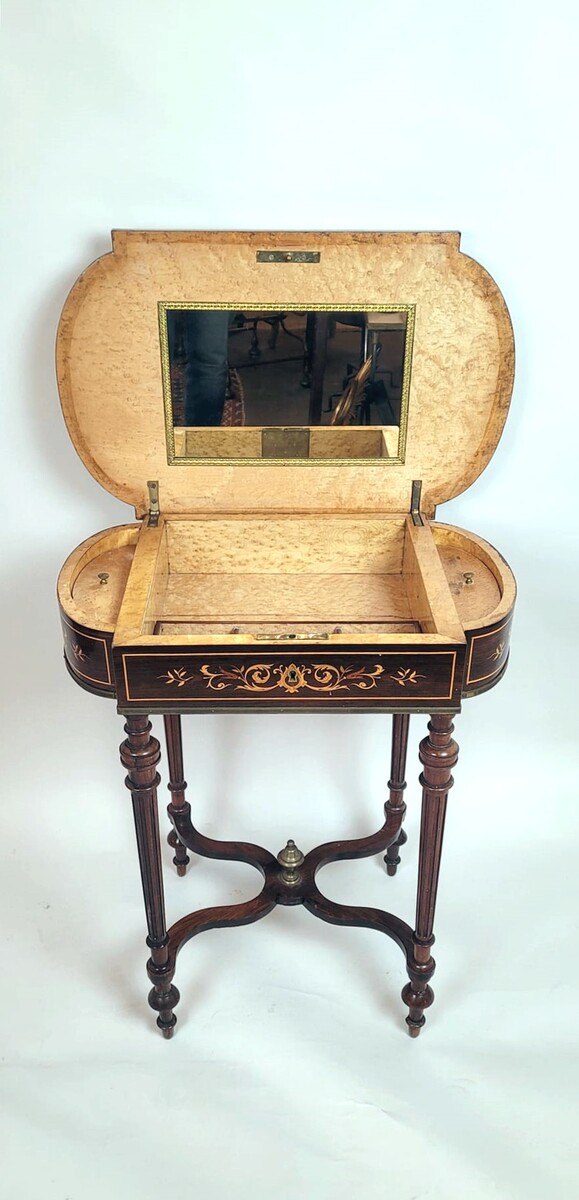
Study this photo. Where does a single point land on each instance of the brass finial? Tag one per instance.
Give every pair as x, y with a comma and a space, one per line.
290, 859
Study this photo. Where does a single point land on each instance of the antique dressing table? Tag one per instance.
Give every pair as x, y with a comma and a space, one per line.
277, 565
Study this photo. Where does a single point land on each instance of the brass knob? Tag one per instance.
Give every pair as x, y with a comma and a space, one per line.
290, 859
468, 577
103, 576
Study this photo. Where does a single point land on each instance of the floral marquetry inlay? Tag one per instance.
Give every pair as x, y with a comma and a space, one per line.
488, 654
355, 679
402, 677
496, 654
177, 675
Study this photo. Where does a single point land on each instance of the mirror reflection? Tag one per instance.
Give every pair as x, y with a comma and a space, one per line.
270, 369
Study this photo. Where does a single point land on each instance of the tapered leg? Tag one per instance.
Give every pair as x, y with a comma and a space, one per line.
397, 785
176, 786
140, 756
438, 755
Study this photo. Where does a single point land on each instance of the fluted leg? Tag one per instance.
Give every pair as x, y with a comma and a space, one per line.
397, 785
140, 756
438, 755
176, 786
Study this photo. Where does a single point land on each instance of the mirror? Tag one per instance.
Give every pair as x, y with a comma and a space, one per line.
294, 383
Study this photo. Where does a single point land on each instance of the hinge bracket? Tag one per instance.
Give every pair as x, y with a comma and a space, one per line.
415, 502
154, 510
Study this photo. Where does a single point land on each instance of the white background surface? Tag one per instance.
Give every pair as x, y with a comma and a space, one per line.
291, 1073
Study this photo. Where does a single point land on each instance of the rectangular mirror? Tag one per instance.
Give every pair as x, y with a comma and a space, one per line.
273, 383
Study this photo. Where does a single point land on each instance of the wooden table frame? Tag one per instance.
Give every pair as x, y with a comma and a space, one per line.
289, 878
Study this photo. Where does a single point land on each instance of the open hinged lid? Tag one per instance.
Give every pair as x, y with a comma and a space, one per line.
138, 317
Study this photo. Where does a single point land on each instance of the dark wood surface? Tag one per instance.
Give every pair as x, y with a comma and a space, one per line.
176, 785
90, 660
438, 755
397, 785
88, 655
487, 655
157, 680
140, 754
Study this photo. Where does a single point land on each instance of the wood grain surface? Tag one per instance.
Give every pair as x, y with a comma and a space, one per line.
109, 365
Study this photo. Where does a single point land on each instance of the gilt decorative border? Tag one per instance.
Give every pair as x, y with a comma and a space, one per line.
164, 306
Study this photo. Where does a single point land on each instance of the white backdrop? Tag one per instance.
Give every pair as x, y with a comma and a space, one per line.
291, 1070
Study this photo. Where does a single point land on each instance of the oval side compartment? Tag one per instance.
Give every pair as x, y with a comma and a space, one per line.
91, 586
484, 591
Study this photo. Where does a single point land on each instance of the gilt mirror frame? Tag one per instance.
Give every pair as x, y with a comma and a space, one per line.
174, 459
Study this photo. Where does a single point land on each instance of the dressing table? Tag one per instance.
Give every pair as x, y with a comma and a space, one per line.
282, 566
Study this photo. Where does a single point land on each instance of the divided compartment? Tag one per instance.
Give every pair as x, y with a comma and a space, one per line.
92, 582
91, 586
324, 442
481, 583
233, 580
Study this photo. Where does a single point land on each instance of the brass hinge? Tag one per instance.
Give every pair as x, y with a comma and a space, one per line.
415, 502
154, 510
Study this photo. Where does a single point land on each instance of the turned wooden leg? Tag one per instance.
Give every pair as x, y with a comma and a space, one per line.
438, 755
140, 755
397, 785
176, 787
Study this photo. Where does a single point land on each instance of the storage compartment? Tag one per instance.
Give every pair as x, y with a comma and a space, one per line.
91, 586
276, 559
247, 442
484, 591
480, 581
292, 578
92, 582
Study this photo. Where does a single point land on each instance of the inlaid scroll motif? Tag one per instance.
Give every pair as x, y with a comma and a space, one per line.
292, 678
360, 679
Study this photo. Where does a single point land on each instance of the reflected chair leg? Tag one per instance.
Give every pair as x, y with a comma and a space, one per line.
140, 756
176, 786
438, 755
397, 785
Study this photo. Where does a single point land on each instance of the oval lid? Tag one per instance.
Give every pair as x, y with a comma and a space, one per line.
110, 377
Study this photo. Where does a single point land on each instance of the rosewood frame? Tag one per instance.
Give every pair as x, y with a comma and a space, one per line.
291, 877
